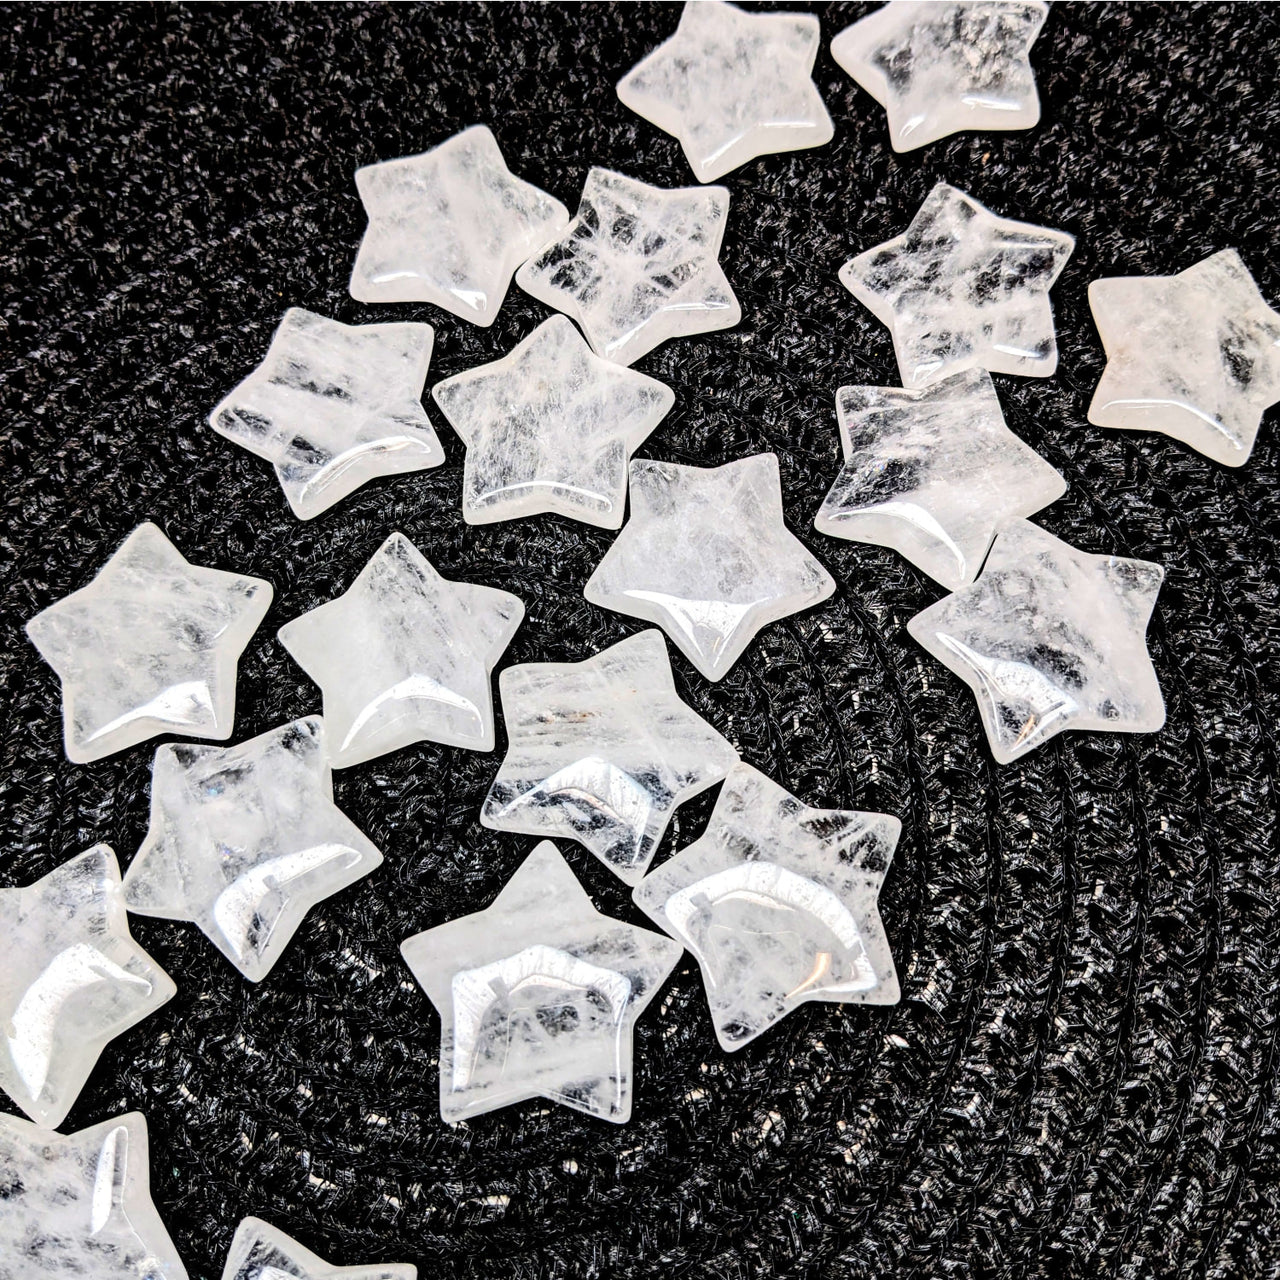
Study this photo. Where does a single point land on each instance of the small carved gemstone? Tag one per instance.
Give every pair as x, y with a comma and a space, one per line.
260, 1251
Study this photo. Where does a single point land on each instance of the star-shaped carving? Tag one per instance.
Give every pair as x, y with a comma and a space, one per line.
450, 227
1195, 356
149, 646
934, 473
732, 85
707, 557
334, 405
962, 288
942, 68
81, 1205
777, 903
404, 656
603, 752
260, 1251
550, 427
73, 979
637, 265
1050, 638
538, 996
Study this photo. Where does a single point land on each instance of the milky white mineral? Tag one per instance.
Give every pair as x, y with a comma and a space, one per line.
260, 1251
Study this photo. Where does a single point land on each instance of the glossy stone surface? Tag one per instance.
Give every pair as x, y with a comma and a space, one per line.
732, 85
778, 904
80, 1206
1195, 356
939, 68
962, 288
404, 656
637, 265
449, 226
538, 996
1050, 638
603, 752
550, 428
707, 557
260, 1251
933, 473
149, 646
334, 405
72, 979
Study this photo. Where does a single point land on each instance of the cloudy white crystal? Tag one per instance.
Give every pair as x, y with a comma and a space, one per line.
260, 1251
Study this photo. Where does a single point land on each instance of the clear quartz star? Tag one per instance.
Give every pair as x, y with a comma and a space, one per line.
72, 980
732, 85
777, 903
1050, 638
80, 1205
450, 227
602, 751
933, 473
962, 288
245, 840
334, 405
637, 265
942, 68
404, 656
707, 557
538, 996
149, 646
260, 1251
550, 428
1195, 356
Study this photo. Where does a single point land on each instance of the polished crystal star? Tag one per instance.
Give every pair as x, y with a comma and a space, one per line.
404, 656
602, 751
934, 473
333, 406
80, 1206
450, 227
732, 85
260, 1251
550, 427
638, 265
148, 647
538, 996
1050, 638
72, 980
707, 557
962, 288
1195, 356
940, 68
777, 903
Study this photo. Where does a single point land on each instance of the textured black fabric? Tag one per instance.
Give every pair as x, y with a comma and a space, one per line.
1080, 1079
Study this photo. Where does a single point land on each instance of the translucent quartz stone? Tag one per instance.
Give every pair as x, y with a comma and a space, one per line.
777, 903
260, 1251
334, 405
538, 996
1050, 638
149, 646
72, 979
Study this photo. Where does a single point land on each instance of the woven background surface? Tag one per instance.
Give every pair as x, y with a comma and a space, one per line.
1080, 1079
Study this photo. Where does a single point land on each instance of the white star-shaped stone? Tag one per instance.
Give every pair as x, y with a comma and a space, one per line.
538, 996
80, 1205
245, 840
603, 752
934, 474
942, 68
550, 427
732, 85
962, 288
149, 646
1195, 356
334, 405
72, 980
450, 227
637, 265
707, 557
1050, 638
260, 1251
777, 903
404, 656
